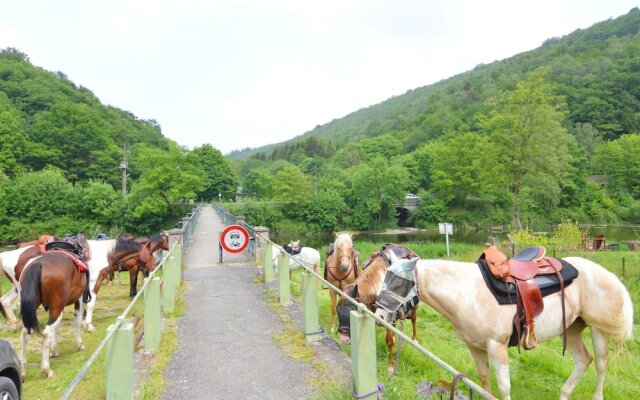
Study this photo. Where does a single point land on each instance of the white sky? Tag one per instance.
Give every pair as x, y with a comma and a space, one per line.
245, 73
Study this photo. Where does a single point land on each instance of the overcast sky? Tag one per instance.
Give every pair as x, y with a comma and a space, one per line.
245, 73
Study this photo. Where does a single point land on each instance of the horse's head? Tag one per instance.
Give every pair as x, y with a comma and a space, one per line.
296, 247
398, 290
164, 244
343, 248
146, 257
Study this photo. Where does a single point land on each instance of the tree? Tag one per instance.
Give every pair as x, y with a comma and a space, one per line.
293, 186
258, 183
325, 209
526, 129
620, 160
167, 178
379, 186
219, 176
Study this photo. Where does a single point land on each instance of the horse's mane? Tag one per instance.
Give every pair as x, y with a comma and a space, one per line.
127, 245
371, 278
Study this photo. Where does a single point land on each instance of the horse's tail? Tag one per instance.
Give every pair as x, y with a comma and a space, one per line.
30, 297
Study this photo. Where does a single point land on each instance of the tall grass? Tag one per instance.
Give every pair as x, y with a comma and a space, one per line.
537, 373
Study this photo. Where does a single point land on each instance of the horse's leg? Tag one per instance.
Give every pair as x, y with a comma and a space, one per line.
414, 316
7, 300
88, 319
24, 342
581, 358
500, 360
53, 347
601, 352
133, 281
77, 323
390, 339
47, 336
333, 295
481, 358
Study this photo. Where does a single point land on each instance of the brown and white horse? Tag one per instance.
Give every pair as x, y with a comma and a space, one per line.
105, 257
341, 268
366, 290
54, 281
596, 299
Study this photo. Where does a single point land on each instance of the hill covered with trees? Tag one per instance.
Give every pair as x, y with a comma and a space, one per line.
60, 154
547, 135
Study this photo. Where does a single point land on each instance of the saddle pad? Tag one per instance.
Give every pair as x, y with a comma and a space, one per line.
505, 293
80, 265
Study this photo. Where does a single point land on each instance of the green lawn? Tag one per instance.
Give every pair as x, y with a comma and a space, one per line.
535, 374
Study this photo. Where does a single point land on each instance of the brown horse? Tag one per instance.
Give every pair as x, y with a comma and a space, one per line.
366, 290
53, 280
341, 268
134, 265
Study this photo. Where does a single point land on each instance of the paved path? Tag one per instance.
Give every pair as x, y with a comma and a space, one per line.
225, 346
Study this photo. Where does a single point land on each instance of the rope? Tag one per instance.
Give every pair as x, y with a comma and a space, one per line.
377, 391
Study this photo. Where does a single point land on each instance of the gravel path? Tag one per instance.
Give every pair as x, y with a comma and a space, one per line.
226, 350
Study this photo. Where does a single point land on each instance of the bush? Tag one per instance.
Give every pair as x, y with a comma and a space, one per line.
567, 235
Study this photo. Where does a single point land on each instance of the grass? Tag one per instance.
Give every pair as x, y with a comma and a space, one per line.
541, 371
112, 300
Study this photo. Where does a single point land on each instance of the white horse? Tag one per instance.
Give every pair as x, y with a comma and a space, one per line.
302, 256
8, 261
596, 299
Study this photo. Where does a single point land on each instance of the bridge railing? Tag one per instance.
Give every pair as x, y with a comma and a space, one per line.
363, 324
119, 340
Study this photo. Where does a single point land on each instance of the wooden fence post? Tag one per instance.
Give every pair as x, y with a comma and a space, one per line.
119, 361
310, 306
283, 278
152, 315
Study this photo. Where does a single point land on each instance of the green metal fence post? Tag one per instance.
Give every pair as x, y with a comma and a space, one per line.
363, 354
268, 262
168, 283
178, 266
283, 277
310, 306
152, 315
119, 361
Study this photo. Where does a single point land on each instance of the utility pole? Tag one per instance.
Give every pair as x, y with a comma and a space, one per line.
123, 170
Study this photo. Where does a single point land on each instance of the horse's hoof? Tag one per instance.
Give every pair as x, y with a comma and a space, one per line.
54, 353
80, 347
12, 326
91, 328
47, 373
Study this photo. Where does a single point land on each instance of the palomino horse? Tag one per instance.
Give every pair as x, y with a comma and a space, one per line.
134, 265
53, 280
341, 268
366, 290
307, 257
105, 257
596, 299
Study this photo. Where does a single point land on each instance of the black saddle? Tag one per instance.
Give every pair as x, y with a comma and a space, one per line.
74, 248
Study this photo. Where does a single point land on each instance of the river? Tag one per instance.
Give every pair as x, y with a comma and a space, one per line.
613, 234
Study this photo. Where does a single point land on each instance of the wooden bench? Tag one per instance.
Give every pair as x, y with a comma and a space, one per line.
520, 270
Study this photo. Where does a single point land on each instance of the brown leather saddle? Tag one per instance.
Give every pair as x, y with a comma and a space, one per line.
520, 270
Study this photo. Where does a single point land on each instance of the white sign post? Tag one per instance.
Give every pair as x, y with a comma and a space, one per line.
446, 229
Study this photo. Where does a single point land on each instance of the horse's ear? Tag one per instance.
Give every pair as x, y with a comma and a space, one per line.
335, 234
353, 234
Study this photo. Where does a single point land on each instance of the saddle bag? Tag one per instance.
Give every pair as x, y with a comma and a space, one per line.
497, 262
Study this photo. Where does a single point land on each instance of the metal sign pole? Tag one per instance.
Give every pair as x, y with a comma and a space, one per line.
447, 237
220, 245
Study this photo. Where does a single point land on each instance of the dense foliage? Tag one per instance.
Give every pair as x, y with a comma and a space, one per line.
547, 135
60, 154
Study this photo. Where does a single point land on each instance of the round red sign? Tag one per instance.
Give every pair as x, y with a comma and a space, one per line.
234, 238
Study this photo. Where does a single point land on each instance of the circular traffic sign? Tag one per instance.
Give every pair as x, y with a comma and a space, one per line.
234, 238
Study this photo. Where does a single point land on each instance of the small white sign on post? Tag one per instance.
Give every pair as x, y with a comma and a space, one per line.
446, 229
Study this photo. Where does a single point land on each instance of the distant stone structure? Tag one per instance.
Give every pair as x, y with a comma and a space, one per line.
239, 194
